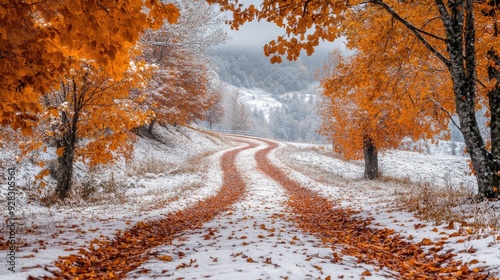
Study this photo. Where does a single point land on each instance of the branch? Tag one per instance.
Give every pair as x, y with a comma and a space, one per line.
481, 83
443, 11
102, 6
417, 31
305, 7
430, 34
447, 112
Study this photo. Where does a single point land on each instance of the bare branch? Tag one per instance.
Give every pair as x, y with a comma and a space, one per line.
430, 34
446, 111
417, 31
102, 6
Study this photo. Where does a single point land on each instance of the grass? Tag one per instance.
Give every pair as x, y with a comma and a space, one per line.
433, 203
194, 164
150, 164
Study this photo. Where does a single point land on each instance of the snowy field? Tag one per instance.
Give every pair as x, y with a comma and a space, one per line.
257, 238
342, 182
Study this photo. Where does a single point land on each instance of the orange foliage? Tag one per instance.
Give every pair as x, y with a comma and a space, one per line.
95, 109
40, 41
461, 36
379, 93
182, 96
369, 29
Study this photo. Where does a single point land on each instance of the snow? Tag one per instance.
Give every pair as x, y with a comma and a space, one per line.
376, 199
438, 168
254, 240
257, 238
255, 98
46, 233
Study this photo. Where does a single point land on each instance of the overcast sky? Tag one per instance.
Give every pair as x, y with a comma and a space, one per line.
255, 34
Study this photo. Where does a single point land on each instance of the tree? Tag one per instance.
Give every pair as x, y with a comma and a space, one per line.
278, 124
215, 113
238, 115
295, 120
260, 123
41, 41
362, 117
461, 35
178, 92
90, 118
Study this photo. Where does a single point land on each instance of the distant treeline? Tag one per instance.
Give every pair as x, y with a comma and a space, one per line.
251, 69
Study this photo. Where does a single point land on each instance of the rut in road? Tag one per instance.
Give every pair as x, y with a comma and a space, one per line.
106, 259
337, 226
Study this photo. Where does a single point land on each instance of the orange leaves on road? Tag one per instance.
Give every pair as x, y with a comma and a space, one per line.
125, 252
379, 247
184, 265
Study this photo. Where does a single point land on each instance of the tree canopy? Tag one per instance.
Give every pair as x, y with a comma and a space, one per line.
42, 40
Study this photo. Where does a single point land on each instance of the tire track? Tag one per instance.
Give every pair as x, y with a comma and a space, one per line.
316, 214
112, 259
256, 239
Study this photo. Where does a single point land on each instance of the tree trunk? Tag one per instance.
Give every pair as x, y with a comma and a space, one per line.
371, 159
460, 42
67, 142
479, 155
151, 125
494, 102
65, 170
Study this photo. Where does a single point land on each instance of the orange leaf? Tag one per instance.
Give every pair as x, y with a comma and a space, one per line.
165, 258
366, 273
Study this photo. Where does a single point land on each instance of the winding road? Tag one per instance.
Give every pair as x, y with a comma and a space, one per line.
260, 225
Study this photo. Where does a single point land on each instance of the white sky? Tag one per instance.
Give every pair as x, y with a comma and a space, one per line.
255, 34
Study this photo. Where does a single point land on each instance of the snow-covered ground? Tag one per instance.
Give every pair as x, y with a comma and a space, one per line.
44, 233
254, 240
341, 181
255, 98
257, 238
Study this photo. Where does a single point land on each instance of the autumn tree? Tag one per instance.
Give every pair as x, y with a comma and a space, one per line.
365, 111
90, 118
41, 41
178, 92
461, 35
